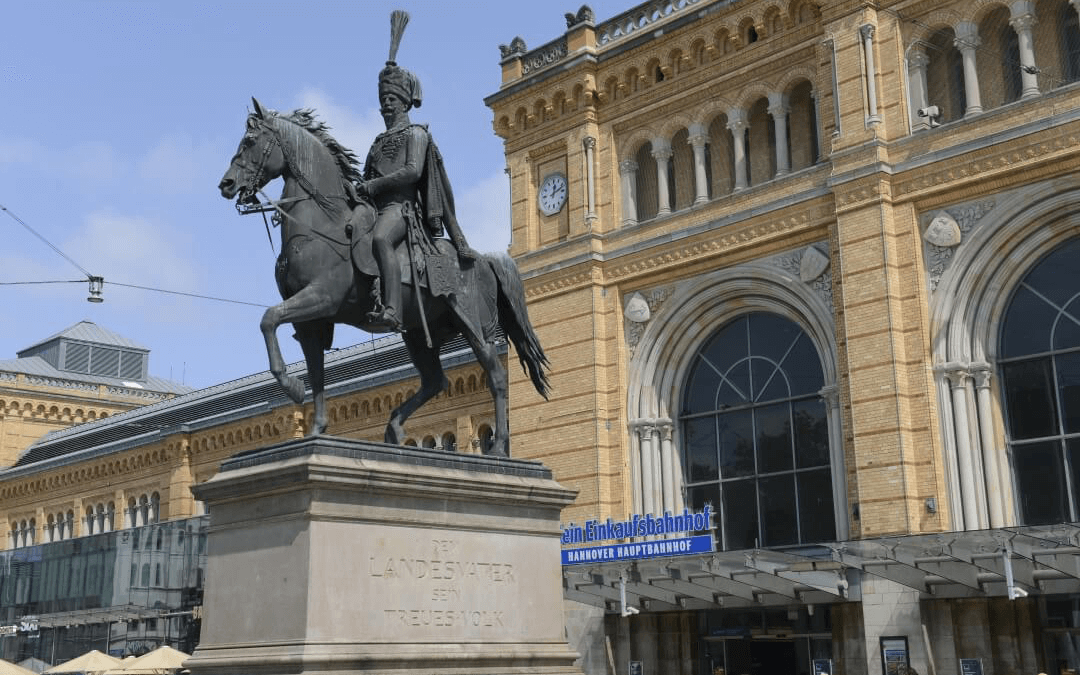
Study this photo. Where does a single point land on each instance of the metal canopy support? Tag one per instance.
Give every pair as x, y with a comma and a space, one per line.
1008, 562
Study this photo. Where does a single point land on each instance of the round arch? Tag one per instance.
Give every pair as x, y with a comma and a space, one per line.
965, 315
695, 310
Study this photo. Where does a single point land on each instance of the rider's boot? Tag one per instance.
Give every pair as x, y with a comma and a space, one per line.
390, 285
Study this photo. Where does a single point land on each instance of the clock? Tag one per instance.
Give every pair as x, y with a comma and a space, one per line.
552, 195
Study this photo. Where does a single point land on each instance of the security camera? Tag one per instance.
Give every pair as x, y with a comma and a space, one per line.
931, 113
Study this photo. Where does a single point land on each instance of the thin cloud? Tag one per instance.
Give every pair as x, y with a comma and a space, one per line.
181, 165
354, 130
483, 209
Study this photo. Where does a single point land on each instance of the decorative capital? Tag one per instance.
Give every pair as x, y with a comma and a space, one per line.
983, 373
779, 110
831, 395
590, 142
957, 375
698, 140
1022, 23
917, 58
736, 118
662, 153
628, 166
970, 42
866, 31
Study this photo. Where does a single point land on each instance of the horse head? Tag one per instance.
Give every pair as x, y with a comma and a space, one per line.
298, 147
259, 159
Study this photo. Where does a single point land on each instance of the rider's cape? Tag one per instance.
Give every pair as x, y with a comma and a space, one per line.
436, 197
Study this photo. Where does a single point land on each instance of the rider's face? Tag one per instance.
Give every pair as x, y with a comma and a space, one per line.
391, 106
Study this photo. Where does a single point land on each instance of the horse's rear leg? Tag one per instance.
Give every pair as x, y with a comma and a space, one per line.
432, 381
488, 356
310, 303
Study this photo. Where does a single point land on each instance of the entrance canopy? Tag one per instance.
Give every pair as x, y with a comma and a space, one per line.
1011, 561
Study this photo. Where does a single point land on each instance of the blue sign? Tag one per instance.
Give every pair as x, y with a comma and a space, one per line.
661, 548
638, 526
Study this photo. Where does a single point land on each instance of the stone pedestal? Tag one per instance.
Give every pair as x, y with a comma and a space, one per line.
336, 556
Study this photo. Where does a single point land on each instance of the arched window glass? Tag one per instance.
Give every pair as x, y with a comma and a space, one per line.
485, 434
1070, 42
755, 435
1040, 378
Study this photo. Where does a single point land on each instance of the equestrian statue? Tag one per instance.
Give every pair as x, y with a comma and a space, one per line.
367, 249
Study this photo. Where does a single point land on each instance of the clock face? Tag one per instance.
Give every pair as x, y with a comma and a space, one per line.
552, 194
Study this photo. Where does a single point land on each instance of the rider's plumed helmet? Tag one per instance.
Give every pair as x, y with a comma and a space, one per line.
393, 78
397, 80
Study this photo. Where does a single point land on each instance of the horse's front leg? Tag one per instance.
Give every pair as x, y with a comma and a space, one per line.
315, 301
313, 339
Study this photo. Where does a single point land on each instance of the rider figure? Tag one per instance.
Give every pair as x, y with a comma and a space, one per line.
404, 177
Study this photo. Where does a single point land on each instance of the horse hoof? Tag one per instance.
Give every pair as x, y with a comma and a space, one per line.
317, 429
498, 449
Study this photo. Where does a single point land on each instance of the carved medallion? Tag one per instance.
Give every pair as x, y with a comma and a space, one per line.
813, 264
637, 309
943, 231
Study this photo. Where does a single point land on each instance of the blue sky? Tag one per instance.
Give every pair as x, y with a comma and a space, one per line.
118, 119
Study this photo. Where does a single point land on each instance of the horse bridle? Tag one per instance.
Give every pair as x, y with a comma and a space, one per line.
313, 193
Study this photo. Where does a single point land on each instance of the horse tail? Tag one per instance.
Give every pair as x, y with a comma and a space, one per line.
514, 320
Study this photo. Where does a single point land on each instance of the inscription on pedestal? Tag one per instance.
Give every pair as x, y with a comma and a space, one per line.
426, 585
450, 583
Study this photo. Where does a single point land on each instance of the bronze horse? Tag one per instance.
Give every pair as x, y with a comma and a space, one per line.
326, 273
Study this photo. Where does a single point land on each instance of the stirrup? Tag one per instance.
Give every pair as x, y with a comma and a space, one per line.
387, 318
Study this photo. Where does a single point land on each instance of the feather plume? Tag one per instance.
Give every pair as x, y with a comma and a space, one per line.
398, 20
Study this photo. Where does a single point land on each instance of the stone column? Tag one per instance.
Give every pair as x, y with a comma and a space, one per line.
737, 125
831, 46
958, 380
867, 33
662, 154
1023, 18
779, 109
628, 188
699, 137
590, 182
667, 456
967, 41
831, 396
917, 62
984, 406
816, 96
648, 474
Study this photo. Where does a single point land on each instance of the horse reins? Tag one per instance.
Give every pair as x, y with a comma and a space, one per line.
305, 185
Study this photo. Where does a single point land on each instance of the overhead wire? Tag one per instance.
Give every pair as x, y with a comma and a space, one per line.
48, 243
92, 277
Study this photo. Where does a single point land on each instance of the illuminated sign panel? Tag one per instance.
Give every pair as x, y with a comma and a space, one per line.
638, 525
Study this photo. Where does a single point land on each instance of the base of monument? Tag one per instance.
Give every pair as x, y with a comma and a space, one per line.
333, 556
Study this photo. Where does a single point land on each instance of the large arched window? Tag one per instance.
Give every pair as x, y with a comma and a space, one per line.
755, 435
1040, 376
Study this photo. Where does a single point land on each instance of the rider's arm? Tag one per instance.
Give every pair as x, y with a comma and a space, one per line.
409, 173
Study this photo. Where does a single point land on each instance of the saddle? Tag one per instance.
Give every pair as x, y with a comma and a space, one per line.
437, 266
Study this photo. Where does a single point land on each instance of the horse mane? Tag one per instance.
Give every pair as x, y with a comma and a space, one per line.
346, 160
